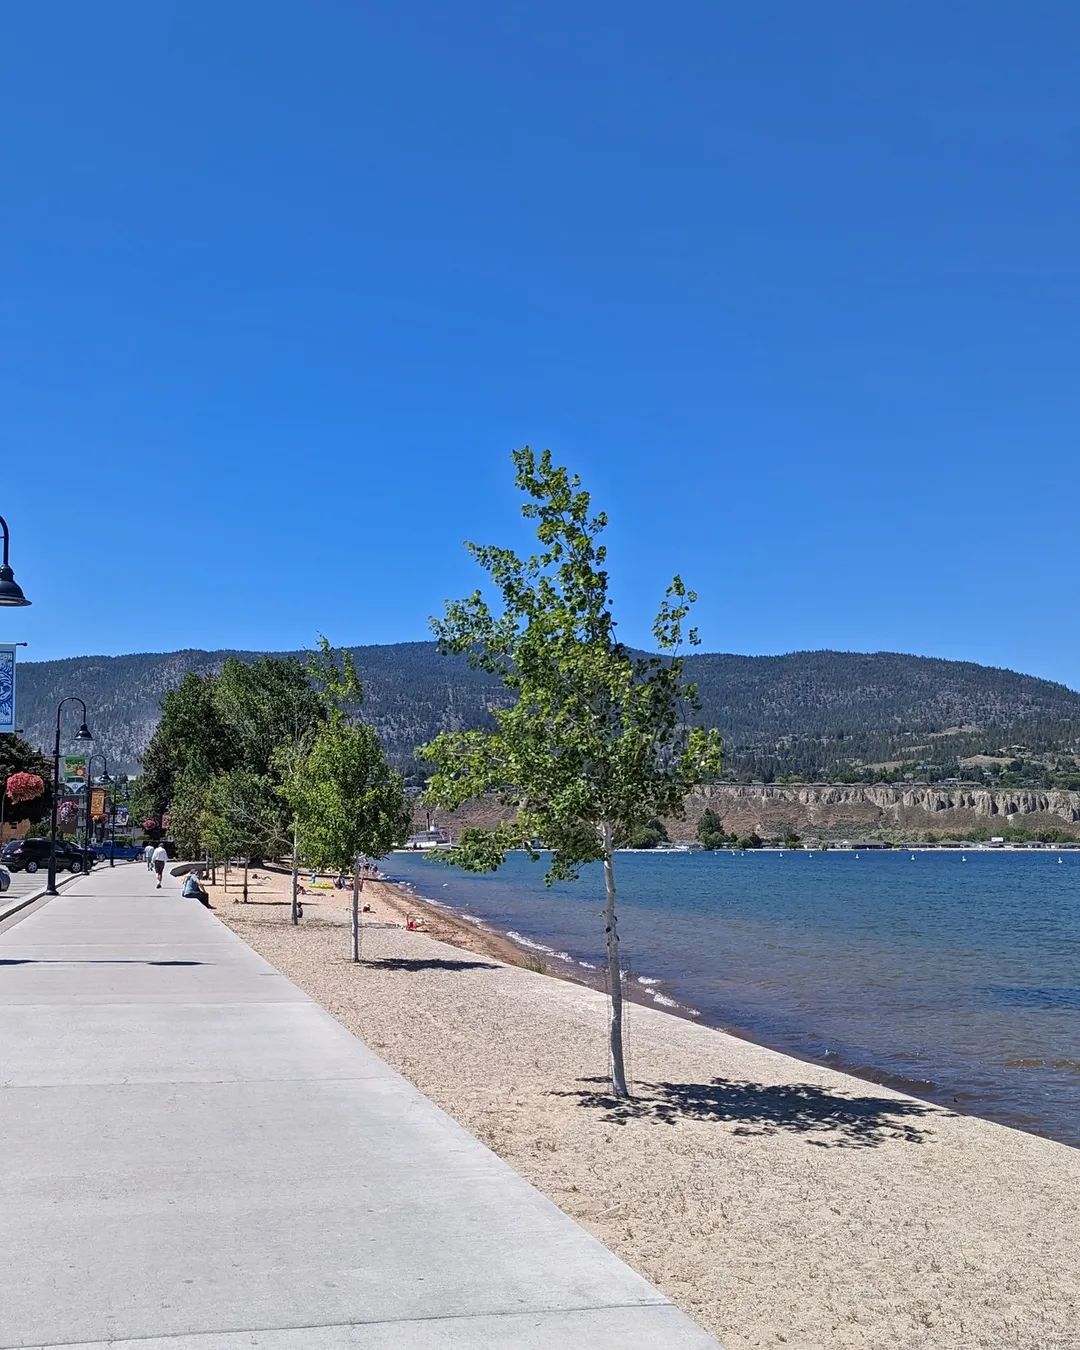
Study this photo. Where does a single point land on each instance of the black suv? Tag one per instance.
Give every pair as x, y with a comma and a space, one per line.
28, 855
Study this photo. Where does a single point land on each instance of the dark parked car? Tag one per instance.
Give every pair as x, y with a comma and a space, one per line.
31, 855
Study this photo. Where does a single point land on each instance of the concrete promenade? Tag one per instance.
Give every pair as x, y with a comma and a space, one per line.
194, 1156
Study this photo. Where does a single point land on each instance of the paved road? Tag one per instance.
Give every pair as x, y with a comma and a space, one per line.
194, 1156
24, 884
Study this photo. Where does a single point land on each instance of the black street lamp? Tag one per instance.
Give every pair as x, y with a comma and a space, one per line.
10, 590
120, 781
83, 734
105, 781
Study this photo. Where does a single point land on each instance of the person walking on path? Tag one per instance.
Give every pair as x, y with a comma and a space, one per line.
160, 858
148, 854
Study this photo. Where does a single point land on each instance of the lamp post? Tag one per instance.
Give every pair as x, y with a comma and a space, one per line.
10, 590
120, 781
105, 781
83, 735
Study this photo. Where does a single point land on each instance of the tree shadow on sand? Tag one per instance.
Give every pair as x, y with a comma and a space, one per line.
831, 1121
432, 963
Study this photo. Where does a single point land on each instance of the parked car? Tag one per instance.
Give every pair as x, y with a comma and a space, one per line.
5, 879
124, 852
30, 855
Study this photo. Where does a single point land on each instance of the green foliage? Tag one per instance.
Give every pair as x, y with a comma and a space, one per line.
709, 823
222, 750
749, 841
346, 799
596, 740
710, 831
596, 743
650, 835
241, 816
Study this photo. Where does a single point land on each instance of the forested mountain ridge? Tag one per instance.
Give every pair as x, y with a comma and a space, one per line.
805, 714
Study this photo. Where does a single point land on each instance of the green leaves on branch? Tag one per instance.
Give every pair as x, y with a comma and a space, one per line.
598, 742
221, 752
346, 800
242, 816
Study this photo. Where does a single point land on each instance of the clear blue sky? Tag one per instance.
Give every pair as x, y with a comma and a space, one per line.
794, 286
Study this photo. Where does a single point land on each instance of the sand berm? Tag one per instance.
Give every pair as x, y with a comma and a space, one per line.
778, 1203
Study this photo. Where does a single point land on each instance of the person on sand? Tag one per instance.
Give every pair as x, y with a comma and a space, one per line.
160, 858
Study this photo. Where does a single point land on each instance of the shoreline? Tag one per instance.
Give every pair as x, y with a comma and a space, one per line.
778, 1202
444, 922
545, 959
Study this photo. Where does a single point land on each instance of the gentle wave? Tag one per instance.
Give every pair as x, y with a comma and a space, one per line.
523, 941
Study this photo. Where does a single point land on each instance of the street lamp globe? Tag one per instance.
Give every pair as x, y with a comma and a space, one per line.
10, 590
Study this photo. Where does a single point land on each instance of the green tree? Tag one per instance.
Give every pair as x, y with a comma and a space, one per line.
241, 815
596, 741
249, 724
650, 834
347, 802
190, 739
710, 830
266, 705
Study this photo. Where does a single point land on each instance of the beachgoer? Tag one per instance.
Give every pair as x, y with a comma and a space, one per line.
160, 858
148, 856
194, 891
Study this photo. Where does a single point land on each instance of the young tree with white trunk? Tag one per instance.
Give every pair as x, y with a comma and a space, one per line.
598, 740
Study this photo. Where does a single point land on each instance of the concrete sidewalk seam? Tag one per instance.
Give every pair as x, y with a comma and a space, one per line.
490, 1315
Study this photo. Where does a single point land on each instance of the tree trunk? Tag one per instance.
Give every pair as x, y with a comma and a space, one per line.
356, 910
618, 1067
245, 880
295, 875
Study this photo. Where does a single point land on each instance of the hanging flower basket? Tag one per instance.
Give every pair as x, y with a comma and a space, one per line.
24, 787
67, 815
149, 824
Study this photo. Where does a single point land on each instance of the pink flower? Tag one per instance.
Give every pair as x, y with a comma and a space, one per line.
24, 787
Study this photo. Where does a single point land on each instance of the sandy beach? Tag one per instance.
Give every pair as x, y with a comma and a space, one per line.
778, 1202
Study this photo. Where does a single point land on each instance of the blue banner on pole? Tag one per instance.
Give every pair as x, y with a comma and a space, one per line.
7, 687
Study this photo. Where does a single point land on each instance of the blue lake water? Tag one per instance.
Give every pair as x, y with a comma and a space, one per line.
954, 980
